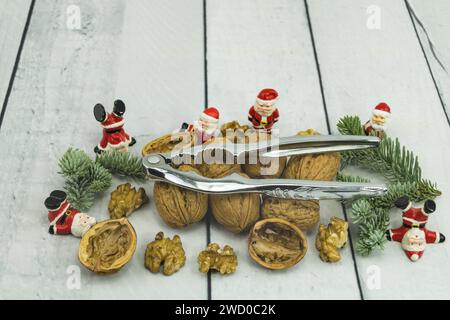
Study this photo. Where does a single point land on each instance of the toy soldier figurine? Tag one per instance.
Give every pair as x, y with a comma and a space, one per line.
114, 136
206, 127
63, 218
413, 235
264, 114
378, 122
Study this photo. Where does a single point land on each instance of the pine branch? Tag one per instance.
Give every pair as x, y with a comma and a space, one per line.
79, 193
399, 166
74, 162
122, 163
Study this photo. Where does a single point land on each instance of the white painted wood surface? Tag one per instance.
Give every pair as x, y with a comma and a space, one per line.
13, 16
151, 54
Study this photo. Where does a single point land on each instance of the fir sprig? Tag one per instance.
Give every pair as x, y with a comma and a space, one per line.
122, 163
399, 166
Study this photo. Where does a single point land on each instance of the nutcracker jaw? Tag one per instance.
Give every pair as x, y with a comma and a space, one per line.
159, 168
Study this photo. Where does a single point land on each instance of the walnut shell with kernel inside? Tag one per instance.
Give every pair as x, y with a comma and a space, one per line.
179, 207
276, 244
108, 246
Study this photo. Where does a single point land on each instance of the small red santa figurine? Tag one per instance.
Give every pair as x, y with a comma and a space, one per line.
206, 127
378, 123
263, 114
413, 235
114, 136
63, 218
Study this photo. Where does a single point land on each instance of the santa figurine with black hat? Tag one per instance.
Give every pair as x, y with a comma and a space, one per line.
378, 123
114, 136
206, 127
413, 235
63, 218
264, 114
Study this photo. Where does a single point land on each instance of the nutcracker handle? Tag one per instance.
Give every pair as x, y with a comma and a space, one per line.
159, 169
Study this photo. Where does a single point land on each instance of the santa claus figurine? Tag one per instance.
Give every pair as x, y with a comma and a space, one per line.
264, 114
378, 123
63, 218
413, 235
114, 136
206, 127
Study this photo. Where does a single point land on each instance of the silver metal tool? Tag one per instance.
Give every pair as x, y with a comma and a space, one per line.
159, 168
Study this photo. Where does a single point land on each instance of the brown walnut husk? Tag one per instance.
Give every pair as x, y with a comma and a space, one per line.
125, 200
167, 252
263, 168
276, 244
236, 212
179, 207
108, 246
323, 167
331, 238
305, 214
168, 143
213, 258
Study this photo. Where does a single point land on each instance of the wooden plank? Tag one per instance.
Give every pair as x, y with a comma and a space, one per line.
149, 53
13, 16
361, 67
431, 22
252, 45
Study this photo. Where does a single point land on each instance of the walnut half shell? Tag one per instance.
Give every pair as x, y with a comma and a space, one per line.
276, 244
108, 246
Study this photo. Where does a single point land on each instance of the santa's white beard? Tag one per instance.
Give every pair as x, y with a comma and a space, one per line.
263, 113
211, 130
381, 127
81, 224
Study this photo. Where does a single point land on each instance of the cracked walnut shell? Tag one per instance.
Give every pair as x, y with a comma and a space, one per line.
108, 246
331, 238
168, 143
167, 252
179, 207
236, 212
305, 214
276, 244
125, 200
213, 258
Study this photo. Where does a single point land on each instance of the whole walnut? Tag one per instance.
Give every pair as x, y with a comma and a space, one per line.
322, 166
179, 207
258, 167
236, 212
234, 131
304, 214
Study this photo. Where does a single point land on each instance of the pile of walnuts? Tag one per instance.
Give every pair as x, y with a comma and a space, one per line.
276, 241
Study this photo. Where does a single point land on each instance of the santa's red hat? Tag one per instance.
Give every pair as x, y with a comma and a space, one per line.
383, 110
267, 96
210, 115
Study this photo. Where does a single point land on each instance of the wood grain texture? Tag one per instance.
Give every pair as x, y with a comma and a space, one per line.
431, 22
13, 16
253, 45
124, 49
361, 67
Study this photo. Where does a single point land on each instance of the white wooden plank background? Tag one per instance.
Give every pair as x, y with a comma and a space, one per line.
151, 54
